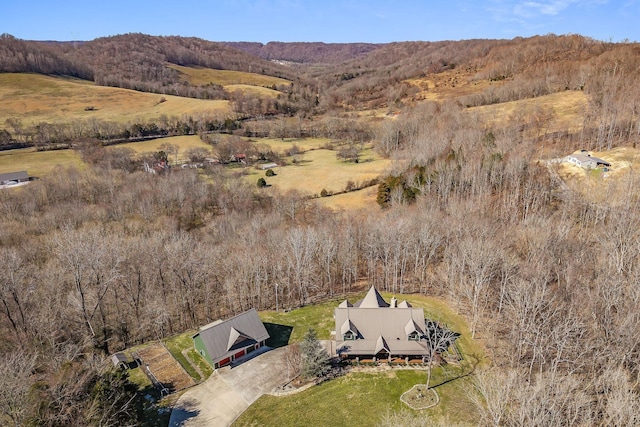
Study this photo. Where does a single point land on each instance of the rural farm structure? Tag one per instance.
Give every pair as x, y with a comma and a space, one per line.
14, 178
587, 161
223, 341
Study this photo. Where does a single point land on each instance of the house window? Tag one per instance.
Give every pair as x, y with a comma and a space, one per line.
414, 336
349, 336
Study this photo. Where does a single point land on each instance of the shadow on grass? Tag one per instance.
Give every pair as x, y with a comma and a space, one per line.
279, 334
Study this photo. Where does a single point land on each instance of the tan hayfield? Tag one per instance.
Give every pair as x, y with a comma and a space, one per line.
361, 199
184, 143
282, 146
34, 98
320, 169
256, 91
556, 112
39, 163
203, 76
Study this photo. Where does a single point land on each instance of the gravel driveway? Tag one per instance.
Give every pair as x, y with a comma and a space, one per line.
230, 391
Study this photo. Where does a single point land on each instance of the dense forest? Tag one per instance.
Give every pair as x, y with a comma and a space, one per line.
97, 260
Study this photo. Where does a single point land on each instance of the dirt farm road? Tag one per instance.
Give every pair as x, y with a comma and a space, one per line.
230, 391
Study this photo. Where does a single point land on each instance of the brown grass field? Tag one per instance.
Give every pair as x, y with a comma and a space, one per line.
565, 110
354, 200
281, 146
35, 98
184, 143
202, 76
39, 163
320, 169
256, 91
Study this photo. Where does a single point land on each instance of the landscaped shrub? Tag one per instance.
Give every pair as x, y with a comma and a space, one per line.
270, 172
261, 183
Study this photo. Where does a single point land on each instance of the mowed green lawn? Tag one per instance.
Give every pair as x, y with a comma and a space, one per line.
363, 398
35, 98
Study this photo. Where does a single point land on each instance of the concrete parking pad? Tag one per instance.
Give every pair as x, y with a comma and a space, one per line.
230, 391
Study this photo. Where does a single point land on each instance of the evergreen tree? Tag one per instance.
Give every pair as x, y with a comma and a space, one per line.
315, 360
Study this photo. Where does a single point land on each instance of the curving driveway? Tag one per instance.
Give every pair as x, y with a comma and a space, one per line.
230, 391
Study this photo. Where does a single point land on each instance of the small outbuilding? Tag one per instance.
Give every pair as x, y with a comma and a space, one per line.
586, 161
119, 360
223, 341
14, 178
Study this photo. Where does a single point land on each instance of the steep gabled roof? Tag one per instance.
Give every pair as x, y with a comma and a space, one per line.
381, 344
222, 339
412, 326
373, 299
349, 326
345, 304
404, 304
237, 337
379, 327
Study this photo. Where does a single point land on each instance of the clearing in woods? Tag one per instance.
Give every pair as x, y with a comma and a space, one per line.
165, 368
203, 76
320, 169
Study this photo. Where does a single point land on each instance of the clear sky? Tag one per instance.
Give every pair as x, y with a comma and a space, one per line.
330, 21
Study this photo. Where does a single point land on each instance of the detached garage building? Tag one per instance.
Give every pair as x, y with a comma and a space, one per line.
222, 342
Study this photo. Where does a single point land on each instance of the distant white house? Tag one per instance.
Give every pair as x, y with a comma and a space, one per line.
586, 161
268, 166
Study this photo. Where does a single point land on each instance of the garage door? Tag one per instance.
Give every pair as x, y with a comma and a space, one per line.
224, 362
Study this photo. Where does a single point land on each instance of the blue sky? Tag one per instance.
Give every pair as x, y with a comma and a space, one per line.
331, 21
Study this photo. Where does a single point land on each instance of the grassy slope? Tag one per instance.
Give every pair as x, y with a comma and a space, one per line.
203, 76
38, 163
565, 108
363, 398
34, 98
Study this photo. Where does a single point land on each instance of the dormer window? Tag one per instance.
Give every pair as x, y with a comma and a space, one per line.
349, 336
414, 336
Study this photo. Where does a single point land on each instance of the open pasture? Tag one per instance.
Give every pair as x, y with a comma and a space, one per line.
320, 169
283, 146
359, 199
203, 76
38, 163
183, 143
34, 98
556, 112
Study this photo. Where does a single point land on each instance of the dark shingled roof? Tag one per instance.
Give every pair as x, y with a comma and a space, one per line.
223, 339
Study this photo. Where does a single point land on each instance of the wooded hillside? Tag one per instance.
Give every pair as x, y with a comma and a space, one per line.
474, 210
